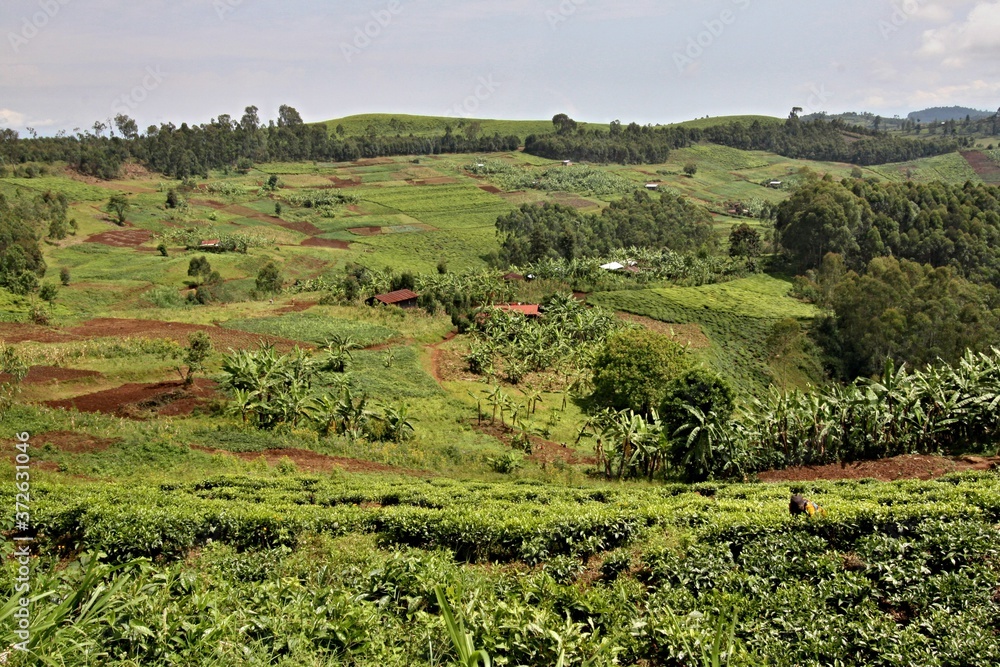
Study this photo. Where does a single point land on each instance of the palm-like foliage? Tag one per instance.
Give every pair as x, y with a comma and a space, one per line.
941, 408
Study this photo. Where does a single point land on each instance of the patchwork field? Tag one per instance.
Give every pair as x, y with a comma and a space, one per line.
172, 528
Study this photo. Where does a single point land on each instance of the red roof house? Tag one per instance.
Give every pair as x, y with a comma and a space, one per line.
403, 298
526, 309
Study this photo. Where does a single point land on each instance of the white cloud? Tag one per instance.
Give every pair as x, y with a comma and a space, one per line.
977, 35
10, 117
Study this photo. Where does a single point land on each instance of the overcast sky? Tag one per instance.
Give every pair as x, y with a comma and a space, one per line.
66, 63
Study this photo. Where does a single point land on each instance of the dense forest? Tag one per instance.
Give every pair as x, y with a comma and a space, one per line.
933, 223
533, 233
817, 140
907, 272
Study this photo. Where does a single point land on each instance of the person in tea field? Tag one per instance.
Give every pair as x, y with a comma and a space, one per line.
800, 505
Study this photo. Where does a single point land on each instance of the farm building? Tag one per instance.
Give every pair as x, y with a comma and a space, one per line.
652, 186
209, 244
403, 298
513, 277
526, 309
567, 163
613, 266
775, 184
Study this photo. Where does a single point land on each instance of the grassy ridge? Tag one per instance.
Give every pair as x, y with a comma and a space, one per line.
435, 125
737, 317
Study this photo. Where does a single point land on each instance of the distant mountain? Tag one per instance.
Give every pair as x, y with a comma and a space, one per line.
934, 114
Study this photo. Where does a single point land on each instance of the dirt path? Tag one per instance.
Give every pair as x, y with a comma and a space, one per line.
910, 466
435, 357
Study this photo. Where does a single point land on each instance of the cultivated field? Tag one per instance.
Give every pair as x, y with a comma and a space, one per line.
170, 530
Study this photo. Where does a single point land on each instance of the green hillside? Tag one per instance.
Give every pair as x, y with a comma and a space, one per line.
294, 492
725, 120
404, 124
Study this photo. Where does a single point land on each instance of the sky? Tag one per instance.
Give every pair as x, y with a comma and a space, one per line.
65, 64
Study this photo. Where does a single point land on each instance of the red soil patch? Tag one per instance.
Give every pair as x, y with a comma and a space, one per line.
297, 306
43, 374
365, 231
492, 189
309, 461
135, 401
345, 182
910, 466
306, 228
984, 167
13, 332
316, 242
210, 203
246, 212
122, 238
71, 441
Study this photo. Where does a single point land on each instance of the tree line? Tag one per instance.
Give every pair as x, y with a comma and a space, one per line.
225, 142
831, 140
533, 233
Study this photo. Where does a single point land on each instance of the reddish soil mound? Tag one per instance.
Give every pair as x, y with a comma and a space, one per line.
73, 442
987, 169
301, 227
137, 400
122, 238
492, 189
309, 461
43, 374
910, 466
178, 331
12, 332
316, 242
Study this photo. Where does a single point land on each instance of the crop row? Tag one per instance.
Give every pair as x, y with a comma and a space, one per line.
487, 522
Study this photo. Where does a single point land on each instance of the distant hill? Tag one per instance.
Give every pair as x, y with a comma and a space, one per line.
404, 124
712, 121
936, 114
